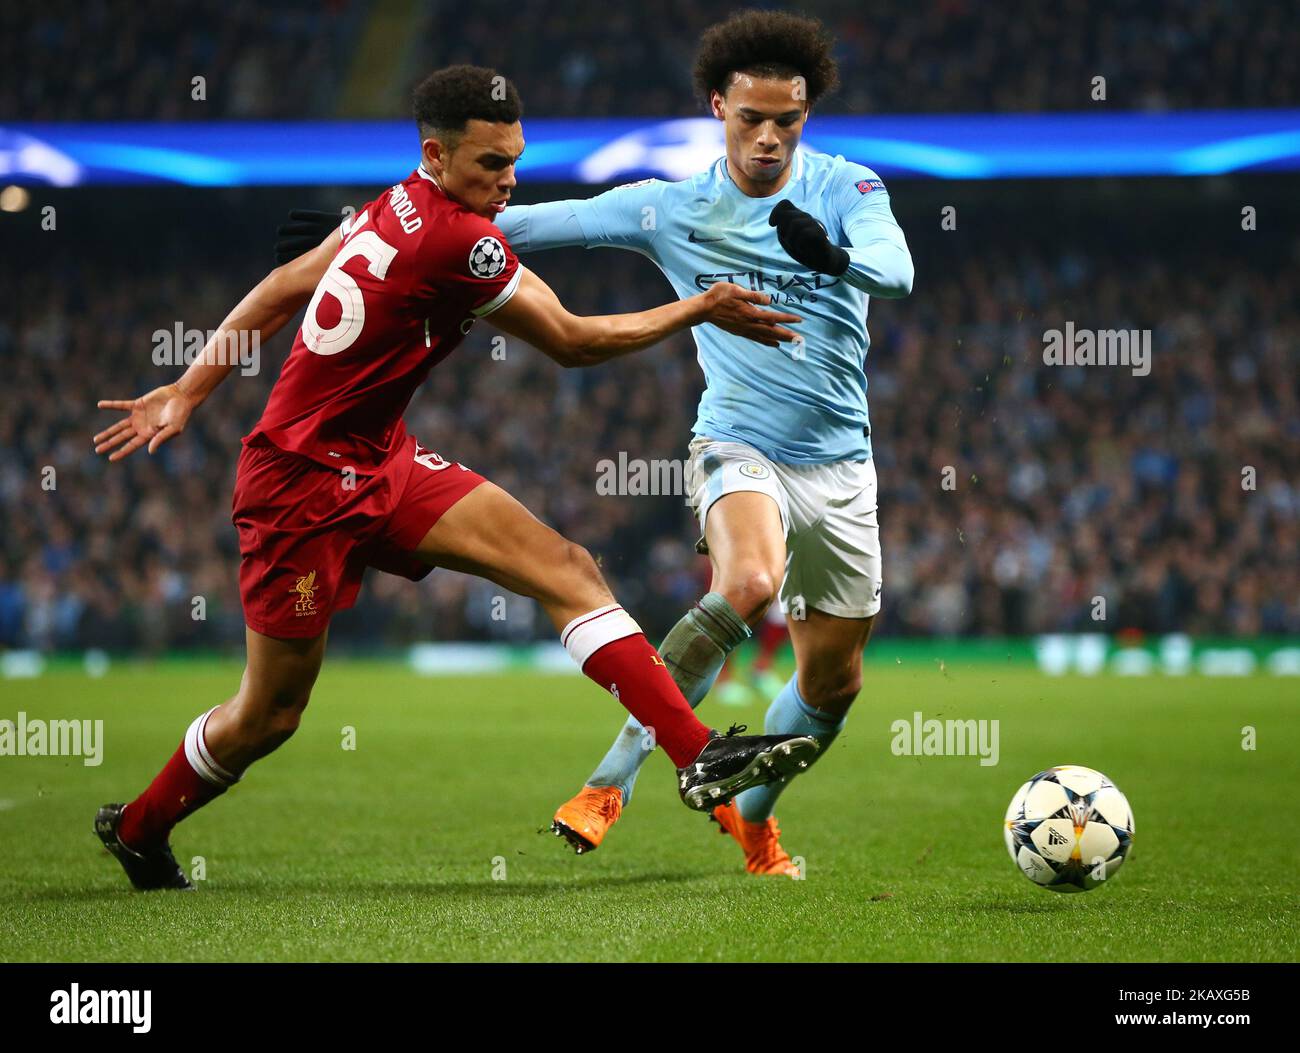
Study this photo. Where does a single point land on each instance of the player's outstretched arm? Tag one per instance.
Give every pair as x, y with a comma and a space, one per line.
534, 313
528, 228
160, 414
549, 225
622, 218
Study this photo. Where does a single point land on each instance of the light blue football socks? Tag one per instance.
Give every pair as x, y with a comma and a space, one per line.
788, 714
694, 651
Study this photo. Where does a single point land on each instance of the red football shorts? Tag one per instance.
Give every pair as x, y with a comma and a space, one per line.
307, 533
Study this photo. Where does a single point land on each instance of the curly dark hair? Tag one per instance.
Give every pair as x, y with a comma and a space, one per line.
766, 44
449, 98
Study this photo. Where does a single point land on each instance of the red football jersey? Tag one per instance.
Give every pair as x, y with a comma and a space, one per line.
413, 272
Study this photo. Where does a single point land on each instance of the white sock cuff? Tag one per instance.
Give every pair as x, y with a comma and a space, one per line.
196, 752
587, 634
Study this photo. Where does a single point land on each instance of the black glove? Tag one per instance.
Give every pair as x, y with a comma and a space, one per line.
305, 230
805, 240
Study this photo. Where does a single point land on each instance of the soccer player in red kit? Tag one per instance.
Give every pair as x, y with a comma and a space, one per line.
330, 483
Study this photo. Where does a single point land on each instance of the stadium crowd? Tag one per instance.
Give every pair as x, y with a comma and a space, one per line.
298, 59
1172, 495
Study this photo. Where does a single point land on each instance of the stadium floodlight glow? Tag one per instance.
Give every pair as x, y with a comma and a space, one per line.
14, 199
30, 159
603, 151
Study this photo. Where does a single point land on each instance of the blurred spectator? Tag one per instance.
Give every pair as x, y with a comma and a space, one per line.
93, 60
1071, 483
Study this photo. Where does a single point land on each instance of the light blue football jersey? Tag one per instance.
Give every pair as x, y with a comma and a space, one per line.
802, 403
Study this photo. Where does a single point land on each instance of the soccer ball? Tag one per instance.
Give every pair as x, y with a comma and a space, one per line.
1069, 828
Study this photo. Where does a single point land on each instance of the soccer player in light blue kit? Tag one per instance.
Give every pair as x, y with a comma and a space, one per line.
780, 470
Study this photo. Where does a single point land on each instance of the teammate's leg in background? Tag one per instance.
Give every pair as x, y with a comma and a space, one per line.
771, 635
216, 749
747, 548
729, 688
815, 702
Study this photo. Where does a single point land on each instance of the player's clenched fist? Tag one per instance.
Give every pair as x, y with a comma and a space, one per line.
734, 309
153, 418
804, 238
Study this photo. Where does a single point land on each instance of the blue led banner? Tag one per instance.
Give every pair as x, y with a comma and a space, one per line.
365, 153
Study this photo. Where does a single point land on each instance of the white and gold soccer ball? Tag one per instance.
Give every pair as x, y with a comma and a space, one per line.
1069, 829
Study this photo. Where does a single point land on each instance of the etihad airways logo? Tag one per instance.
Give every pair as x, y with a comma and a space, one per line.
783, 288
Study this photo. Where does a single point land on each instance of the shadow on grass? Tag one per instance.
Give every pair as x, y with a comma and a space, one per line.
1052, 904
474, 889
75, 895
343, 887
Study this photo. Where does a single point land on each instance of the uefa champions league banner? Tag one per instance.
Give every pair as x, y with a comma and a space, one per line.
364, 153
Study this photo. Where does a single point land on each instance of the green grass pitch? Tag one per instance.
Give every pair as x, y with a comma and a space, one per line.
428, 841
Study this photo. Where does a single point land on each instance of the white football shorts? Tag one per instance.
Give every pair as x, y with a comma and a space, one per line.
832, 535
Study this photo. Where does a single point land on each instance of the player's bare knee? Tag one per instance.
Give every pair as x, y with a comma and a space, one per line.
575, 570
284, 721
269, 714
586, 564
750, 594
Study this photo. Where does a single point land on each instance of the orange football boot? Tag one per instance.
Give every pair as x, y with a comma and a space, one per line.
763, 852
584, 820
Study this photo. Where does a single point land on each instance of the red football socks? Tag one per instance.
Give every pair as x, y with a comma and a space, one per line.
606, 643
190, 780
610, 648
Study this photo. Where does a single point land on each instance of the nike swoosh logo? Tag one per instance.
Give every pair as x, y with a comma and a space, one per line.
701, 241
